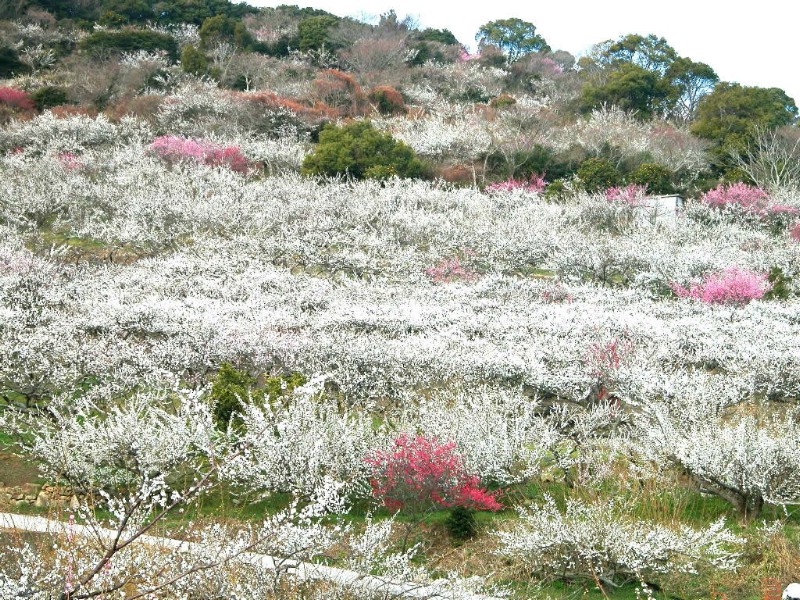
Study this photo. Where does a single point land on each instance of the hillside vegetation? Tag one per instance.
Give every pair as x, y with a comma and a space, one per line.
277, 281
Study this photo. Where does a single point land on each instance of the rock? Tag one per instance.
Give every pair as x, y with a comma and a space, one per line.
42, 500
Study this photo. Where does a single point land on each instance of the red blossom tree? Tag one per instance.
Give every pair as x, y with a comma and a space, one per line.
421, 473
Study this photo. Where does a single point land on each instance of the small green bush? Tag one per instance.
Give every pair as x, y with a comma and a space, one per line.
657, 178
461, 523
780, 282
49, 96
360, 151
230, 387
194, 61
598, 174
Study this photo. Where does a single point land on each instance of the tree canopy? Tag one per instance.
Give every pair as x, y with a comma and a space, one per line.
514, 37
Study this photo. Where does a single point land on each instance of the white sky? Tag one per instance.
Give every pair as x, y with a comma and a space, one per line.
755, 43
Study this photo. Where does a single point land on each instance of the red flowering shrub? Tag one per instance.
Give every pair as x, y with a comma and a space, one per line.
733, 286
421, 473
173, 148
15, 98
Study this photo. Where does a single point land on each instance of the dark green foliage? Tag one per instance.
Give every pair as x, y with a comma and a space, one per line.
141, 11
556, 191
360, 151
10, 63
780, 284
522, 164
514, 37
732, 113
103, 43
442, 36
658, 178
194, 61
230, 387
648, 52
49, 96
598, 174
632, 88
461, 523
314, 32
221, 29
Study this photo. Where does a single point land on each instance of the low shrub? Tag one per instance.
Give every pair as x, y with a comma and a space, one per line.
360, 151
598, 174
387, 100
658, 179
734, 286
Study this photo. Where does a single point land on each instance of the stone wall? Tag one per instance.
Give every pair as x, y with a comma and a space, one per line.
39, 495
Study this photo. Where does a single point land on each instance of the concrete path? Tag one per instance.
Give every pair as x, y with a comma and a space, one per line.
301, 570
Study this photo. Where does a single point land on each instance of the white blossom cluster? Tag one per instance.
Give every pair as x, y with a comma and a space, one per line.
595, 540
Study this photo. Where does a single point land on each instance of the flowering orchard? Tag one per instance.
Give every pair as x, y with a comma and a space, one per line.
459, 348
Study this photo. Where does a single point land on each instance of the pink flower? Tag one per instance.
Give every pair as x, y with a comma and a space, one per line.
738, 194
450, 270
733, 286
173, 148
631, 194
535, 184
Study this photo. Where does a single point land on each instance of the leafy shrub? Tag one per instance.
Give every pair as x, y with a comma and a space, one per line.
502, 101
421, 473
657, 178
779, 284
388, 100
461, 523
733, 286
102, 43
193, 61
10, 64
230, 387
361, 151
598, 174
49, 96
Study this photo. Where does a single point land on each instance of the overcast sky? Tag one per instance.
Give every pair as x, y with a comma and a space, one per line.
753, 44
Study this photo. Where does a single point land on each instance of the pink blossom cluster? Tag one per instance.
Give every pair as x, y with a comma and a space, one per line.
450, 270
548, 62
16, 98
173, 148
557, 294
535, 184
794, 232
630, 194
70, 161
738, 194
465, 56
421, 472
733, 286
